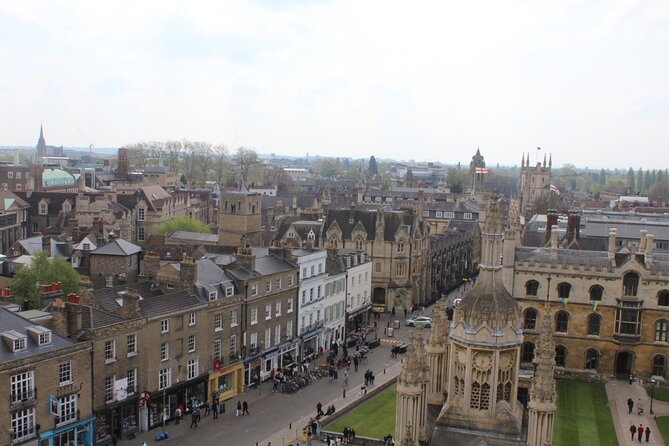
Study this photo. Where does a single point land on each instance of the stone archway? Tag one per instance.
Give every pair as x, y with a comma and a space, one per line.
624, 364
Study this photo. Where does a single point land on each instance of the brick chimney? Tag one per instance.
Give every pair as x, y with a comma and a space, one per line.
650, 244
73, 309
573, 227
59, 317
612, 243
245, 255
187, 274
150, 265
554, 241
551, 220
130, 305
643, 242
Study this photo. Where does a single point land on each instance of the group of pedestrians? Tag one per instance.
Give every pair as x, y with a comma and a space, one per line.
242, 408
639, 430
369, 378
349, 435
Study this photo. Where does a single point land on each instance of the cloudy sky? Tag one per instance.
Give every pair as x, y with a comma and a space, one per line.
588, 81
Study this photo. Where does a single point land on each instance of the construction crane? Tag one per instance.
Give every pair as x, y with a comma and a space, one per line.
90, 144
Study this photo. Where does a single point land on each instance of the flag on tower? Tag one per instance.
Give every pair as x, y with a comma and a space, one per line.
481, 170
555, 189
538, 148
595, 304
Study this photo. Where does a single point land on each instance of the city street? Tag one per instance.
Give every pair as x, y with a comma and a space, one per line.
271, 414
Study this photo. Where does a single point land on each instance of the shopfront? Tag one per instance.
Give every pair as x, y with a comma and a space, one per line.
75, 434
119, 422
287, 354
185, 395
310, 344
227, 381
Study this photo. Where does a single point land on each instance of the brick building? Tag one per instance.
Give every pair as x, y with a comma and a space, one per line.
47, 381
114, 264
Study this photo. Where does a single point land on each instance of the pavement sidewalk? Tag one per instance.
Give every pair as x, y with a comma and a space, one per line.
618, 392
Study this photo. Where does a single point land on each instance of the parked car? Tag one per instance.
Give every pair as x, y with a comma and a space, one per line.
423, 321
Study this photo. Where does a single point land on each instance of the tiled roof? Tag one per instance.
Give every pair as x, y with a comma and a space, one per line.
117, 247
11, 321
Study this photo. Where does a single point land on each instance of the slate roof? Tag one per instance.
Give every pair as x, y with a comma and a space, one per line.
55, 200
32, 245
117, 247
12, 321
95, 318
168, 303
392, 221
106, 297
187, 236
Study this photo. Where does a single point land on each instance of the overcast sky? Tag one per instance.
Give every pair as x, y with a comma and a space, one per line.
588, 81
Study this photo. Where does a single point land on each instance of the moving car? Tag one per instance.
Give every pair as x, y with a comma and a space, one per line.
423, 321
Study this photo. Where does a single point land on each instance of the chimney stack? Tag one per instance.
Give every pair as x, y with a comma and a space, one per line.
151, 264
554, 241
573, 227
551, 220
187, 274
612, 243
59, 317
642, 241
650, 244
73, 308
130, 304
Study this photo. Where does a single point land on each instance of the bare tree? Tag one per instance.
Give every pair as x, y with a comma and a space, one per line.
220, 162
247, 159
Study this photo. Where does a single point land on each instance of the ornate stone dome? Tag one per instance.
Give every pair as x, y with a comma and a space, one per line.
489, 301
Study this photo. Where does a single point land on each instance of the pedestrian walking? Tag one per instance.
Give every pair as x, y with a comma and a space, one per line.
177, 415
346, 433
631, 379
319, 410
640, 430
336, 375
630, 404
239, 408
647, 434
639, 407
245, 406
405, 312
214, 408
393, 311
345, 383
194, 417
633, 430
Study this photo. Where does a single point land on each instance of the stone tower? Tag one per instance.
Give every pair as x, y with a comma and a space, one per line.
437, 357
409, 406
477, 173
484, 351
238, 215
122, 167
535, 183
542, 405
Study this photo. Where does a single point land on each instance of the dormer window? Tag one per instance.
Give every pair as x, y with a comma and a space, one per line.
229, 291
43, 209
213, 295
15, 340
41, 335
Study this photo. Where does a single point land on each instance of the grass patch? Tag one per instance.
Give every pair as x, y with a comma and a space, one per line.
660, 394
583, 416
374, 418
663, 425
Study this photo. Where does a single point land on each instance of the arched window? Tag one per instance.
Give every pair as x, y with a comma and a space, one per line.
661, 331
663, 298
561, 321
563, 290
530, 319
596, 292
659, 365
528, 352
358, 244
591, 359
560, 355
334, 242
594, 324
630, 284
532, 288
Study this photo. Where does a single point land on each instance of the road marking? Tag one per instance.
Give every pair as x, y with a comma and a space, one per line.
390, 341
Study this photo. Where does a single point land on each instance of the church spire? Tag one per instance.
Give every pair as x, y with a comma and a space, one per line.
41, 143
522, 161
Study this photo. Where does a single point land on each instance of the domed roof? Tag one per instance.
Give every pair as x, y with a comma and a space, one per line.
489, 301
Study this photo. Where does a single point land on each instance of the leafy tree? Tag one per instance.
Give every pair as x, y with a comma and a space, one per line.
660, 191
639, 180
182, 223
646, 181
373, 168
246, 159
602, 177
630, 179
43, 270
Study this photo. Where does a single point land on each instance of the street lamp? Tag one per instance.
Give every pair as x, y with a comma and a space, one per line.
652, 393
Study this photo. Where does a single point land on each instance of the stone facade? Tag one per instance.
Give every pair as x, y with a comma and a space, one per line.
239, 214
535, 183
111, 270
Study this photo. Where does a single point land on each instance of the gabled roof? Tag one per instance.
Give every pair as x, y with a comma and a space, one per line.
117, 247
347, 220
32, 245
85, 240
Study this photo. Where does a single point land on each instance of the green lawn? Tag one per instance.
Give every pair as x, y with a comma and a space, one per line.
660, 393
663, 425
374, 418
583, 417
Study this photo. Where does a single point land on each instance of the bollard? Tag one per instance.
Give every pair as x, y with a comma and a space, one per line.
290, 426
384, 371
344, 395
